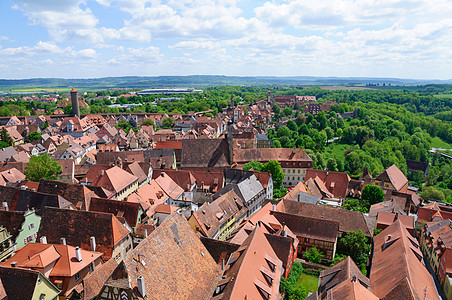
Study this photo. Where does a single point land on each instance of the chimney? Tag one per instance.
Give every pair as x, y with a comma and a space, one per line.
5, 205
145, 233
102, 172
78, 253
74, 100
14, 264
43, 240
230, 141
92, 242
63, 241
274, 207
294, 150
141, 287
23, 187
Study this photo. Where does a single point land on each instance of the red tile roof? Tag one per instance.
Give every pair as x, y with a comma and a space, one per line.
335, 182
77, 227
397, 266
38, 256
173, 263
128, 210
343, 271
251, 268
348, 220
115, 179
395, 176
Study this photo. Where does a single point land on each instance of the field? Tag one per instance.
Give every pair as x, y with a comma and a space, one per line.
443, 96
31, 90
336, 149
345, 88
438, 143
310, 283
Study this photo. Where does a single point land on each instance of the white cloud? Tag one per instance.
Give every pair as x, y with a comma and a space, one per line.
196, 45
46, 48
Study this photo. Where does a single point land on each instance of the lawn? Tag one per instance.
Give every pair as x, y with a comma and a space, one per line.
310, 283
438, 143
337, 150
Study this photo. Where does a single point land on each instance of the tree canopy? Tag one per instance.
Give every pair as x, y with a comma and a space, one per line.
42, 167
355, 245
372, 194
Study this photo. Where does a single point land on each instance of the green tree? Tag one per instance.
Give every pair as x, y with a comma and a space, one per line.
338, 258
42, 167
148, 122
353, 163
331, 164
355, 245
372, 194
168, 122
5, 139
287, 111
255, 165
313, 255
34, 136
283, 131
292, 125
432, 193
4, 111
274, 167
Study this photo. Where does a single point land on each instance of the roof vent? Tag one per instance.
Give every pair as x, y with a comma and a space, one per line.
141, 286
43, 240
92, 241
78, 254
14, 264
63, 241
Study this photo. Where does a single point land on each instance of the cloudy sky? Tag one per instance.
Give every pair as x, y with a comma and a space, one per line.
98, 38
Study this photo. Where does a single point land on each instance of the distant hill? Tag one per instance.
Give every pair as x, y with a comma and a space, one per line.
201, 81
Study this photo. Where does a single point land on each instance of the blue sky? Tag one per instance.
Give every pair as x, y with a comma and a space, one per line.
98, 38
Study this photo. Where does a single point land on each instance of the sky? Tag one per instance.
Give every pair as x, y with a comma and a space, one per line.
344, 38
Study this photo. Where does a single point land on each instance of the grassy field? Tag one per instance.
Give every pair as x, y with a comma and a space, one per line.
438, 143
337, 149
443, 96
310, 283
39, 90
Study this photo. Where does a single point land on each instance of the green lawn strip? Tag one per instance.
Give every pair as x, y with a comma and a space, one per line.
337, 150
310, 283
438, 143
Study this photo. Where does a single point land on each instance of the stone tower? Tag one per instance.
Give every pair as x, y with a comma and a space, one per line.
74, 100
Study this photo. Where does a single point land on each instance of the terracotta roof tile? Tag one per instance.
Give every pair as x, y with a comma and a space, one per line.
340, 272
173, 262
19, 283
129, 210
93, 283
335, 182
205, 153
348, 220
78, 226
308, 227
395, 176
397, 259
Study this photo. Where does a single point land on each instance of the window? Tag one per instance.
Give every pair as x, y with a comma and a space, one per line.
31, 226
42, 296
77, 276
